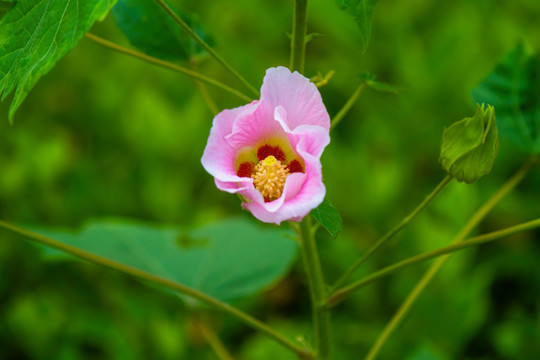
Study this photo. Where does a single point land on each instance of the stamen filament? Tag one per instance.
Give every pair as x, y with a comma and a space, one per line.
269, 177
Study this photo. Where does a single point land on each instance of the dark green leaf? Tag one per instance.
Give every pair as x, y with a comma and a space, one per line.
513, 88
5, 6
149, 28
328, 217
372, 82
225, 260
362, 12
35, 34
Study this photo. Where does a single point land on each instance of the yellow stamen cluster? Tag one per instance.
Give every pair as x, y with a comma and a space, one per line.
269, 177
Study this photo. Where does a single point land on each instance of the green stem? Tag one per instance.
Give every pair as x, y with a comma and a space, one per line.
205, 46
317, 286
478, 240
195, 294
348, 105
478, 216
165, 64
213, 340
390, 234
298, 38
204, 92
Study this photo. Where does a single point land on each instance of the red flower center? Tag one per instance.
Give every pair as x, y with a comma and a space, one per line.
270, 171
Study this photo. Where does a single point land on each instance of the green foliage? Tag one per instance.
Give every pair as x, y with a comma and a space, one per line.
327, 215
513, 88
470, 146
152, 30
5, 5
226, 260
362, 12
104, 134
371, 81
35, 34
427, 352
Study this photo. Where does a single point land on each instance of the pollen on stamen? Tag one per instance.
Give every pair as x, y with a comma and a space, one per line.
269, 178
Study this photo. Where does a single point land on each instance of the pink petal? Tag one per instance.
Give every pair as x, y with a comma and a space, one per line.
313, 138
218, 157
234, 187
251, 128
299, 96
293, 184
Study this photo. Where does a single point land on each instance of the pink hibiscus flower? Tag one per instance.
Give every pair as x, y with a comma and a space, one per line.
269, 151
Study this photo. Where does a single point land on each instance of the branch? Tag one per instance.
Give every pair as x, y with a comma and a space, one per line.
165, 64
205, 46
477, 217
475, 241
390, 234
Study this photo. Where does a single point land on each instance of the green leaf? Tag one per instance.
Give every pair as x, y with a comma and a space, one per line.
149, 28
328, 217
362, 12
5, 5
35, 34
226, 260
513, 88
372, 82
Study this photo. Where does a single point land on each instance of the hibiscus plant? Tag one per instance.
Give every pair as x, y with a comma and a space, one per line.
267, 152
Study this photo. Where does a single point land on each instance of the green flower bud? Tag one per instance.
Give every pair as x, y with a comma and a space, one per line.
470, 146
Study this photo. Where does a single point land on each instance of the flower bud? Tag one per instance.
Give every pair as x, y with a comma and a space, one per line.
470, 146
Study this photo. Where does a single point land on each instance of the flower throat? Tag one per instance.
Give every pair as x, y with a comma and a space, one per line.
269, 177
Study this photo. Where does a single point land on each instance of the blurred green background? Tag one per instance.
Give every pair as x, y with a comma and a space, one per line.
104, 134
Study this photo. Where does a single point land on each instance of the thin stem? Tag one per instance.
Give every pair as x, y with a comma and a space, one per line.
475, 241
478, 216
317, 286
204, 92
165, 64
348, 105
207, 98
205, 46
298, 38
390, 234
213, 340
208, 300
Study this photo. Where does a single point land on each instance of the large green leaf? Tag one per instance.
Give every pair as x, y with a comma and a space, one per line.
513, 88
35, 34
226, 260
152, 30
362, 12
